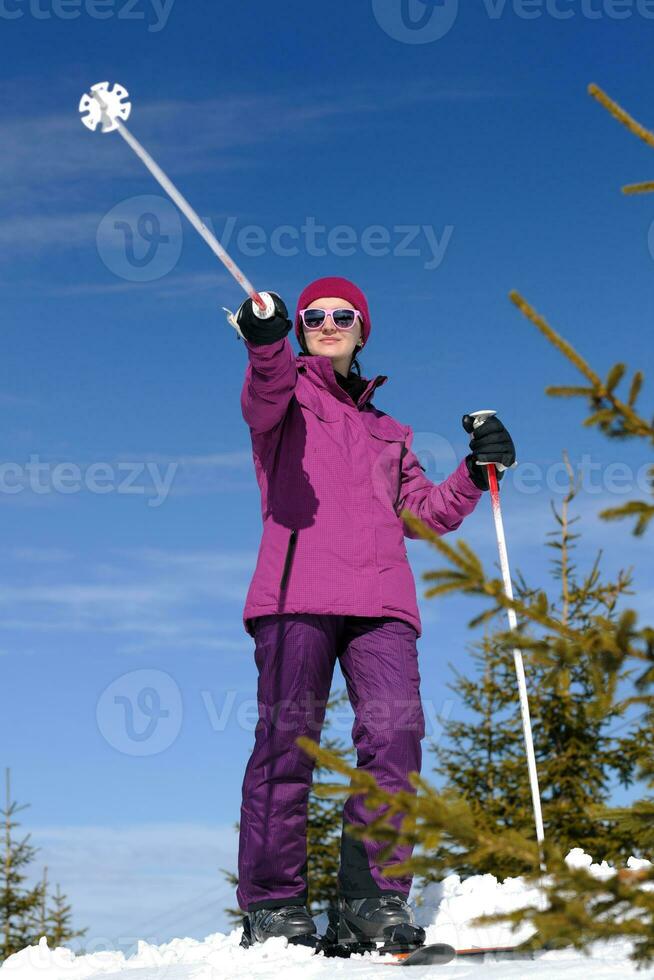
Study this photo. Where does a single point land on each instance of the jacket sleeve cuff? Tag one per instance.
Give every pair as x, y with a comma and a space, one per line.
265, 332
264, 353
465, 482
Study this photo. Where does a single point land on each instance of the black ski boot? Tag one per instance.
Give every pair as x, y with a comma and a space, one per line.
291, 921
384, 923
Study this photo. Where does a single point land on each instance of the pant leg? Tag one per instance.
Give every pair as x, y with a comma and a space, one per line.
380, 664
295, 656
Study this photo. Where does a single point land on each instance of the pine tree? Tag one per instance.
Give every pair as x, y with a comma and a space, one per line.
19, 904
58, 921
483, 758
324, 824
43, 909
24, 913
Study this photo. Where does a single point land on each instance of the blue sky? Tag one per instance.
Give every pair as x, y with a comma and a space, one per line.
482, 147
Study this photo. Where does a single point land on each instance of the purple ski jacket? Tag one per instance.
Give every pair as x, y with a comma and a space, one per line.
334, 477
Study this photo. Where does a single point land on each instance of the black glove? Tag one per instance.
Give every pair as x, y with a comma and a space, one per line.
259, 332
490, 443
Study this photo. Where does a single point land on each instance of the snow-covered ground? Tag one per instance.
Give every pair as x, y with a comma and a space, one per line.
446, 913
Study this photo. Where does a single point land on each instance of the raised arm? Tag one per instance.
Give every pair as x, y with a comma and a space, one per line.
441, 506
271, 373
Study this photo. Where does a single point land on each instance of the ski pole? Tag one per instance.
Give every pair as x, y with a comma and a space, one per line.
109, 106
478, 419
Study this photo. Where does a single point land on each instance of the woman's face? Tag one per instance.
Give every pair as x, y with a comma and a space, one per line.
339, 345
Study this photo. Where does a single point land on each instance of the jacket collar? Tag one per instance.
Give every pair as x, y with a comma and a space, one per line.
319, 368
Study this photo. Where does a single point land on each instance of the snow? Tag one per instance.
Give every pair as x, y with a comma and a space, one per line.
445, 911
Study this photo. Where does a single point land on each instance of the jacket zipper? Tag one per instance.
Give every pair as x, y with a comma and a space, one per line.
403, 453
289, 558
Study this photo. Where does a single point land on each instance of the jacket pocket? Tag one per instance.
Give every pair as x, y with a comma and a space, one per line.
389, 446
290, 551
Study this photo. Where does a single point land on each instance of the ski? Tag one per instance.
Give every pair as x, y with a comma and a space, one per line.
481, 954
433, 954
430, 954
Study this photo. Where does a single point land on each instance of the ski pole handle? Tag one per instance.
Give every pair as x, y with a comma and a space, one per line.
478, 418
268, 310
266, 313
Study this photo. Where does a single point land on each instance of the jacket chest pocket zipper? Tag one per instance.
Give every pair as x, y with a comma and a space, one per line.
289, 558
403, 453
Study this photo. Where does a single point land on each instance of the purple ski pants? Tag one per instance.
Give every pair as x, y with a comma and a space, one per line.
295, 655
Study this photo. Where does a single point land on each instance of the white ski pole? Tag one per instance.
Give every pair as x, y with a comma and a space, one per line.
110, 107
478, 419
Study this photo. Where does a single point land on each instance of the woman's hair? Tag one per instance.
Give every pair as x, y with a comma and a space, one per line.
355, 365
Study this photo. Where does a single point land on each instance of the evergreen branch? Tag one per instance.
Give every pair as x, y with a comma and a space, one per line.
556, 340
636, 385
473, 580
568, 391
428, 817
619, 113
582, 909
566, 539
628, 422
637, 820
644, 511
645, 187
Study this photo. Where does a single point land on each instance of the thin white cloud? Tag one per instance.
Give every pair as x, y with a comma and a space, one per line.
88, 596
40, 555
169, 286
145, 599
37, 231
152, 478
228, 460
197, 136
202, 562
223, 132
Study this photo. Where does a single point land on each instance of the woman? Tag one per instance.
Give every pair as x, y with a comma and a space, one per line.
332, 580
